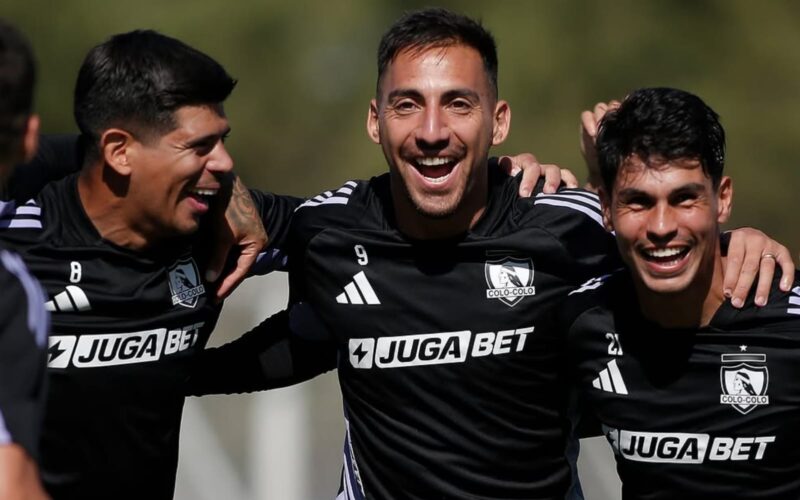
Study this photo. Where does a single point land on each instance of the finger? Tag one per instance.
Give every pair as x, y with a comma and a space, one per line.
589, 124
507, 165
765, 273
530, 175
568, 178
783, 257
600, 110
235, 277
751, 263
552, 178
733, 266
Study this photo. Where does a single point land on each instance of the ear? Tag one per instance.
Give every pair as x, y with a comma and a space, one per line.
724, 199
116, 146
605, 202
502, 122
30, 140
373, 125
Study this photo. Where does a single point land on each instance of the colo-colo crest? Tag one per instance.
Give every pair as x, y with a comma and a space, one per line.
510, 279
185, 284
744, 379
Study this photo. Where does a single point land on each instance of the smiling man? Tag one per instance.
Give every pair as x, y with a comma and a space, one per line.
698, 399
120, 250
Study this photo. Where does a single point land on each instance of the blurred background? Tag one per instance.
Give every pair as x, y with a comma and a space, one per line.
306, 72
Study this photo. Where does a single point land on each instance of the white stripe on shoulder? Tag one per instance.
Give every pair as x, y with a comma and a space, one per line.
27, 216
593, 214
578, 196
340, 197
592, 284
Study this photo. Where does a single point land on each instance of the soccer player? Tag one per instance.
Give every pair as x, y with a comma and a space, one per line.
429, 283
697, 399
119, 249
23, 320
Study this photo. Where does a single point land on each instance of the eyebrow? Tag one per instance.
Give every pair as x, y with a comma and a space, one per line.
448, 96
692, 187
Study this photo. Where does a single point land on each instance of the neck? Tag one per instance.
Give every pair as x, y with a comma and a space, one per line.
689, 308
103, 198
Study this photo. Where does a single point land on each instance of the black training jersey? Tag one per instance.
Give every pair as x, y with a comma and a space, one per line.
125, 325
712, 412
450, 388
23, 337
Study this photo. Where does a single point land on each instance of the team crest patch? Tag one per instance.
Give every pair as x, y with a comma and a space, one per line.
185, 284
744, 379
510, 279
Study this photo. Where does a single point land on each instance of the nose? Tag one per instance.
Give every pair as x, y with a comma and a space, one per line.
662, 225
219, 160
433, 132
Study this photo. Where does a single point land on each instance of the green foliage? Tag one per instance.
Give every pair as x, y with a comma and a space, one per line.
306, 73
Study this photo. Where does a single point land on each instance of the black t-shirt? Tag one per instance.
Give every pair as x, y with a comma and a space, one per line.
450, 388
125, 326
23, 351
711, 412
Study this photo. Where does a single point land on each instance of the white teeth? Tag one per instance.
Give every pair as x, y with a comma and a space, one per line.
436, 180
433, 161
662, 253
204, 192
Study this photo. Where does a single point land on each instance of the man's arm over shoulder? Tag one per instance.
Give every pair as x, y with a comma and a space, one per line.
285, 349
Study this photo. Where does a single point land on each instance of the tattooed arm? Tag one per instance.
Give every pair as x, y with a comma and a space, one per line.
240, 228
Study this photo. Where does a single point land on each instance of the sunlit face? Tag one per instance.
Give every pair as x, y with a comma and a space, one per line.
436, 117
667, 219
173, 178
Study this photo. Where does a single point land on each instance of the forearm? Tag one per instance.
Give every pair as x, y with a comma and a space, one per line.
267, 357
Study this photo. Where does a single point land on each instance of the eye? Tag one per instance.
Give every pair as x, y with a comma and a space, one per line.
404, 106
684, 198
460, 105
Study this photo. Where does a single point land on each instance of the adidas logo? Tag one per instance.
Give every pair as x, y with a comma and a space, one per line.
71, 300
27, 216
794, 299
610, 380
358, 291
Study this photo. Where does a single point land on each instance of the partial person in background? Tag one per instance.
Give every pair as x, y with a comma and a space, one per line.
430, 282
698, 399
23, 320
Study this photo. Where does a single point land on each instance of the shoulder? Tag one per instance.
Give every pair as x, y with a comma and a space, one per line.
356, 203
592, 298
781, 311
568, 205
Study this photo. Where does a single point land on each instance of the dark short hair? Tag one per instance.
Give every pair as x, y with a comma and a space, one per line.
137, 80
661, 125
17, 81
436, 27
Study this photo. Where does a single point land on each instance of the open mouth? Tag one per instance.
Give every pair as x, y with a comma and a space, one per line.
435, 169
203, 196
664, 256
